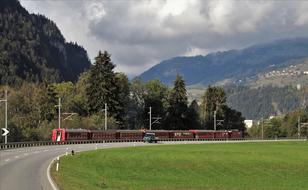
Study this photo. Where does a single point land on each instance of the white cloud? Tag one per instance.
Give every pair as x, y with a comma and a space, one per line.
95, 10
140, 34
193, 51
302, 14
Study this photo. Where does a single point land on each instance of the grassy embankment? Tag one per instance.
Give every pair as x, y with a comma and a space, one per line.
243, 166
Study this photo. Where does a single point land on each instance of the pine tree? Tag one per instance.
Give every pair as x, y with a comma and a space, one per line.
193, 119
177, 112
103, 86
122, 86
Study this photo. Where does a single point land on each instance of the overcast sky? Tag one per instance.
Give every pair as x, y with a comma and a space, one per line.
140, 34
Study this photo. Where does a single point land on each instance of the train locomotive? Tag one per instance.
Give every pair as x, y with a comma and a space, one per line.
61, 135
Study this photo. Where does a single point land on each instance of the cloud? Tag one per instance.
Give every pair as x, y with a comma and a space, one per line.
141, 34
302, 14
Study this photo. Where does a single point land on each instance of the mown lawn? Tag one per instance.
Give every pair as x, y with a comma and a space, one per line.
242, 166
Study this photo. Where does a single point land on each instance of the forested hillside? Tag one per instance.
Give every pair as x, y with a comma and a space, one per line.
32, 48
265, 101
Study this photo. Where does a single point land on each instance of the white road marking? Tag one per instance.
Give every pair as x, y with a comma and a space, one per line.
16, 157
7, 160
26, 154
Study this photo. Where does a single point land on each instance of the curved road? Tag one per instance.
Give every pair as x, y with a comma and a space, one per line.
26, 168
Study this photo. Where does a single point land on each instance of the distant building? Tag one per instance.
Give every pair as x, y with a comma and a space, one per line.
248, 123
271, 117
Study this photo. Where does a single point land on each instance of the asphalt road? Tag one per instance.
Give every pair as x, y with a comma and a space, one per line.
26, 168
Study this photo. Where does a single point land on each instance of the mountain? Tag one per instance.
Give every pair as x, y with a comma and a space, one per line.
266, 101
232, 65
292, 75
33, 49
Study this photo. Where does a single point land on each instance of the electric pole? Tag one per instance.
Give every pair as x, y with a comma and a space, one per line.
5, 101
59, 113
299, 127
215, 120
150, 115
155, 121
262, 132
5, 138
105, 116
105, 111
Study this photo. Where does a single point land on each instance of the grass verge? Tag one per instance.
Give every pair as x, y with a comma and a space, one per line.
241, 166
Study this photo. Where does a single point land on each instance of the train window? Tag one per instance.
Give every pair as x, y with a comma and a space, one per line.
58, 136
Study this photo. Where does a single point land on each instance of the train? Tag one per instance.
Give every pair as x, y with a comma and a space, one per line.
61, 135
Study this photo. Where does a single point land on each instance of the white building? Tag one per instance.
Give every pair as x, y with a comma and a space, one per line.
248, 123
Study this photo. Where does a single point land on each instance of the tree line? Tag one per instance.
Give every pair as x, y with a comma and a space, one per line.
33, 112
282, 126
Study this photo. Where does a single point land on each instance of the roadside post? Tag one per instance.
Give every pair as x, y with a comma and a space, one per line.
58, 162
5, 130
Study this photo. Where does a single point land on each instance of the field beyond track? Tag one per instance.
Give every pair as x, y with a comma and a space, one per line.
239, 166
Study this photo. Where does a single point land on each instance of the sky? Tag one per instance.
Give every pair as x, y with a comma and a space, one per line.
141, 33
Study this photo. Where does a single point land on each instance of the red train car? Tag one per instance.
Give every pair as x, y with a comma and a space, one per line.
160, 134
181, 135
235, 134
58, 135
130, 134
76, 134
69, 134
221, 134
203, 134
105, 135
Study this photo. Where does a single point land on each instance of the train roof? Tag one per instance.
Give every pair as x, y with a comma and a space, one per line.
76, 130
139, 131
198, 130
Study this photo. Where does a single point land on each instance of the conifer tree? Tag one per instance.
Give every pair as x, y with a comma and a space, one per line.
193, 119
103, 86
177, 112
122, 86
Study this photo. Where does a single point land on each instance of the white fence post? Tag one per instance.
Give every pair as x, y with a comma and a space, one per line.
58, 161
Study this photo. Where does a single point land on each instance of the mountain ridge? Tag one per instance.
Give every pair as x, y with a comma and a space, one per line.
231, 64
33, 49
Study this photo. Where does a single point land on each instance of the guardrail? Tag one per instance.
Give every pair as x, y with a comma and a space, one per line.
51, 143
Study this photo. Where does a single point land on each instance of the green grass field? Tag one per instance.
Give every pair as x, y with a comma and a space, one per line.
242, 166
